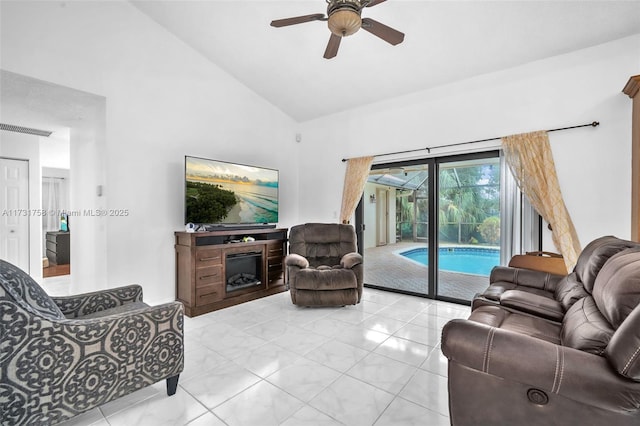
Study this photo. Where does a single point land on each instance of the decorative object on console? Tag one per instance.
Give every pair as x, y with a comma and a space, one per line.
324, 267
63, 356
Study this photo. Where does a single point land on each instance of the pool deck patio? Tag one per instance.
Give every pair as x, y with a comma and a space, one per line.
384, 267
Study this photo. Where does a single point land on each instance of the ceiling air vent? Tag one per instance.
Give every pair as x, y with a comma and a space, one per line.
27, 130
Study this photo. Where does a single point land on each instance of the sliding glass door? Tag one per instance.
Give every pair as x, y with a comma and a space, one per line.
432, 227
395, 209
468, 225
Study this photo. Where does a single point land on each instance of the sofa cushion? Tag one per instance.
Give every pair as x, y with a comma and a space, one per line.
623, 351
498, 317
27, 292
617, 288
585, 328
569, 290
594, 256
535, 304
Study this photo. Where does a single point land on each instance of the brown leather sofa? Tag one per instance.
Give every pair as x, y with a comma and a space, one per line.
514, 368
548, 295
324, 267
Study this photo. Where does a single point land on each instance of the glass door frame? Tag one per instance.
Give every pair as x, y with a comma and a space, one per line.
433, 165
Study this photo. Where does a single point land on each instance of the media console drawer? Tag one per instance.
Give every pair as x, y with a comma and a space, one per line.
207, 256
218, 269
208, 275
209, 294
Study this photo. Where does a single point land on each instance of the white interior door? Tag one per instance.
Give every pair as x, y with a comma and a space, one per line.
382, 213
14, 212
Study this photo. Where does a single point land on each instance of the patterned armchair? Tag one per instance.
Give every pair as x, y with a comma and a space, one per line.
60, 357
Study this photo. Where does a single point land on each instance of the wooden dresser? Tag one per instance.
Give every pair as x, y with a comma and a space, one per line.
58, 247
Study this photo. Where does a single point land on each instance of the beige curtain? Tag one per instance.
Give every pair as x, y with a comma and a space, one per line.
531, 162
354, 180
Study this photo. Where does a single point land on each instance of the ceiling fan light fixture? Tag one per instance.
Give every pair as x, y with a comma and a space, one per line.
344, 22
344, 17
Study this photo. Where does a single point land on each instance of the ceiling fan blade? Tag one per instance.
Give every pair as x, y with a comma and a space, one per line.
374, 2
297, 20
388, 34
332, 47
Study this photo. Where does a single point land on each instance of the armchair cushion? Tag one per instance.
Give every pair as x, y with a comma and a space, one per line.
325, 278
296, 260
350, 260
27, 292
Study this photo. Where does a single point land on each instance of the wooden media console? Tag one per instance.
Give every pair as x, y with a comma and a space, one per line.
218, 269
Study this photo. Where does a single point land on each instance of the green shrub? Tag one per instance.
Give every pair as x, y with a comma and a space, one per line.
490, 230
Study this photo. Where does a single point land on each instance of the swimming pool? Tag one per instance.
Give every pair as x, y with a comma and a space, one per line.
468, 260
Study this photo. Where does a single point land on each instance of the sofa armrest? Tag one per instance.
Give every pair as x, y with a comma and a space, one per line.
525, 277
296, 260
350, 260
84, 304
571, 373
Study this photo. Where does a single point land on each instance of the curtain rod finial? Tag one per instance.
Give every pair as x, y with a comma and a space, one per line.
595, 123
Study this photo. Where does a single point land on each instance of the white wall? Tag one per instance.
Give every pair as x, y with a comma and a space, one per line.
580, 87
163, 100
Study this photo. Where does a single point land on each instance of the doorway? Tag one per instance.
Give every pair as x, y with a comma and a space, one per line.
14, 223
382, 217
446, 216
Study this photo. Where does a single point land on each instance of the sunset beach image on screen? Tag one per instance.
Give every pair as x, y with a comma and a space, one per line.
222, 192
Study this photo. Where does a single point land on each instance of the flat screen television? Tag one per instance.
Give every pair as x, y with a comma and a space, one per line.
225, 194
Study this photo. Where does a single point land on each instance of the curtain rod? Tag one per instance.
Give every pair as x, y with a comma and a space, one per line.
428, 149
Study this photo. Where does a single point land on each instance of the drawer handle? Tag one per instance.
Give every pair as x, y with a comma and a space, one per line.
204, 259
204, 277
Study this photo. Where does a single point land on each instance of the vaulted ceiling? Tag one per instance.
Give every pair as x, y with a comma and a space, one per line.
445, 41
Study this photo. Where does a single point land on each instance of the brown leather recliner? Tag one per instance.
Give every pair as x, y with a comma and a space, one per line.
324, 267
509, 368
548, 295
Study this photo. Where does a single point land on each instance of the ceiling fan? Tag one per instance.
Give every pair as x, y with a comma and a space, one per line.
343, 18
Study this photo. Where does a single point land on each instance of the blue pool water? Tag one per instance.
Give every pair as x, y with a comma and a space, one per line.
468, 260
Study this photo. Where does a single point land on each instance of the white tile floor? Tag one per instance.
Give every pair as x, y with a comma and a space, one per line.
268, 362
